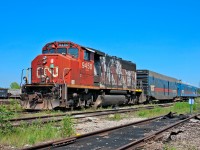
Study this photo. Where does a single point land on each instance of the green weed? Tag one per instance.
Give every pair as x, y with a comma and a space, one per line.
167, 147
178, 107
67, 127
115, 117
5, 126
37, 133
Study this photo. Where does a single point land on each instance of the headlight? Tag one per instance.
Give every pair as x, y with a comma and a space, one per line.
47, 79
44, 60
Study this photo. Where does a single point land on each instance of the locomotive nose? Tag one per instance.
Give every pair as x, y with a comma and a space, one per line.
45, 69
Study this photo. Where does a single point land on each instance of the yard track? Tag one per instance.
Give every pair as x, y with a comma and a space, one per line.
128, 136
59, 117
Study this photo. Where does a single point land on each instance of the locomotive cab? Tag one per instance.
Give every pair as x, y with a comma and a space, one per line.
64, 63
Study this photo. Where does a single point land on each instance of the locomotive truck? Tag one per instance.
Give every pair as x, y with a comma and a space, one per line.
68, 75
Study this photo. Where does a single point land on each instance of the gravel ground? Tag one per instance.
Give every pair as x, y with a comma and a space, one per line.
185, 137
92, 124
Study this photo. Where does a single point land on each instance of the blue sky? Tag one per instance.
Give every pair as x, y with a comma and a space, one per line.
160, 35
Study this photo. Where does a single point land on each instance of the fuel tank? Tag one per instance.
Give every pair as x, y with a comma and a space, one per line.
110, 100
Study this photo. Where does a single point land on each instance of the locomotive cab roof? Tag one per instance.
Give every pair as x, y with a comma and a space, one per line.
64, 44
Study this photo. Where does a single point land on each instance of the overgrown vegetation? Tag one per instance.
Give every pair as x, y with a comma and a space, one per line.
14, 106
32, 134
197, 102
115, 117
67, 127
167, 147
39, 132
178, 107
5, 126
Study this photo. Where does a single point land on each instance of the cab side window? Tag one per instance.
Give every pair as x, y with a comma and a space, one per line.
73, 52
87, 55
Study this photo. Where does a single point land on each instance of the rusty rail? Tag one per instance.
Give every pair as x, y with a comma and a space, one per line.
140, 142
135, 144
49, 118
73, 139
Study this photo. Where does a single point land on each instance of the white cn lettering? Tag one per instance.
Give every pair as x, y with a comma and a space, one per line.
42, 72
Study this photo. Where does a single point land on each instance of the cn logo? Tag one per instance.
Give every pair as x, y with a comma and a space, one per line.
43, 72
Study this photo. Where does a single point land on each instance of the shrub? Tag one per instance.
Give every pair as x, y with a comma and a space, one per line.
5, 126
67, 128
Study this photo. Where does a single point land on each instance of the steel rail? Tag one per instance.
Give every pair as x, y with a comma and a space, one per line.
139, 142
85, 113
73, 139
79, 116
48, 118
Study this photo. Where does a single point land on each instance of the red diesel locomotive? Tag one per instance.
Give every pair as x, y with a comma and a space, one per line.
68, 75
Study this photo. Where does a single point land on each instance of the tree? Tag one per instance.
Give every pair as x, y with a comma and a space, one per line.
14, 85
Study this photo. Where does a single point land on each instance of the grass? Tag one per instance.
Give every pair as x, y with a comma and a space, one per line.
14, 106
166, 147
178, 107
37, 133
115, 117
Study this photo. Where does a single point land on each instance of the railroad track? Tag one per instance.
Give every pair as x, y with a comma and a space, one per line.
59, 117
4, 102
129, 136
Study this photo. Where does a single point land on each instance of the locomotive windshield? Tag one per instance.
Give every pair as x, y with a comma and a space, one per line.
71, 51
62, 50
51, 51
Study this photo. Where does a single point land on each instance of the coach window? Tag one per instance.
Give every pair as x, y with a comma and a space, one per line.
86, 55
73, 52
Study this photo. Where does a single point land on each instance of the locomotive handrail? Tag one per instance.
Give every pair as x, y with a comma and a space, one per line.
26, 75
22, 77
69, 69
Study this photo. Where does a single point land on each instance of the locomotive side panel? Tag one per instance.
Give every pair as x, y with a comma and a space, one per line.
86, 67
116, 75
